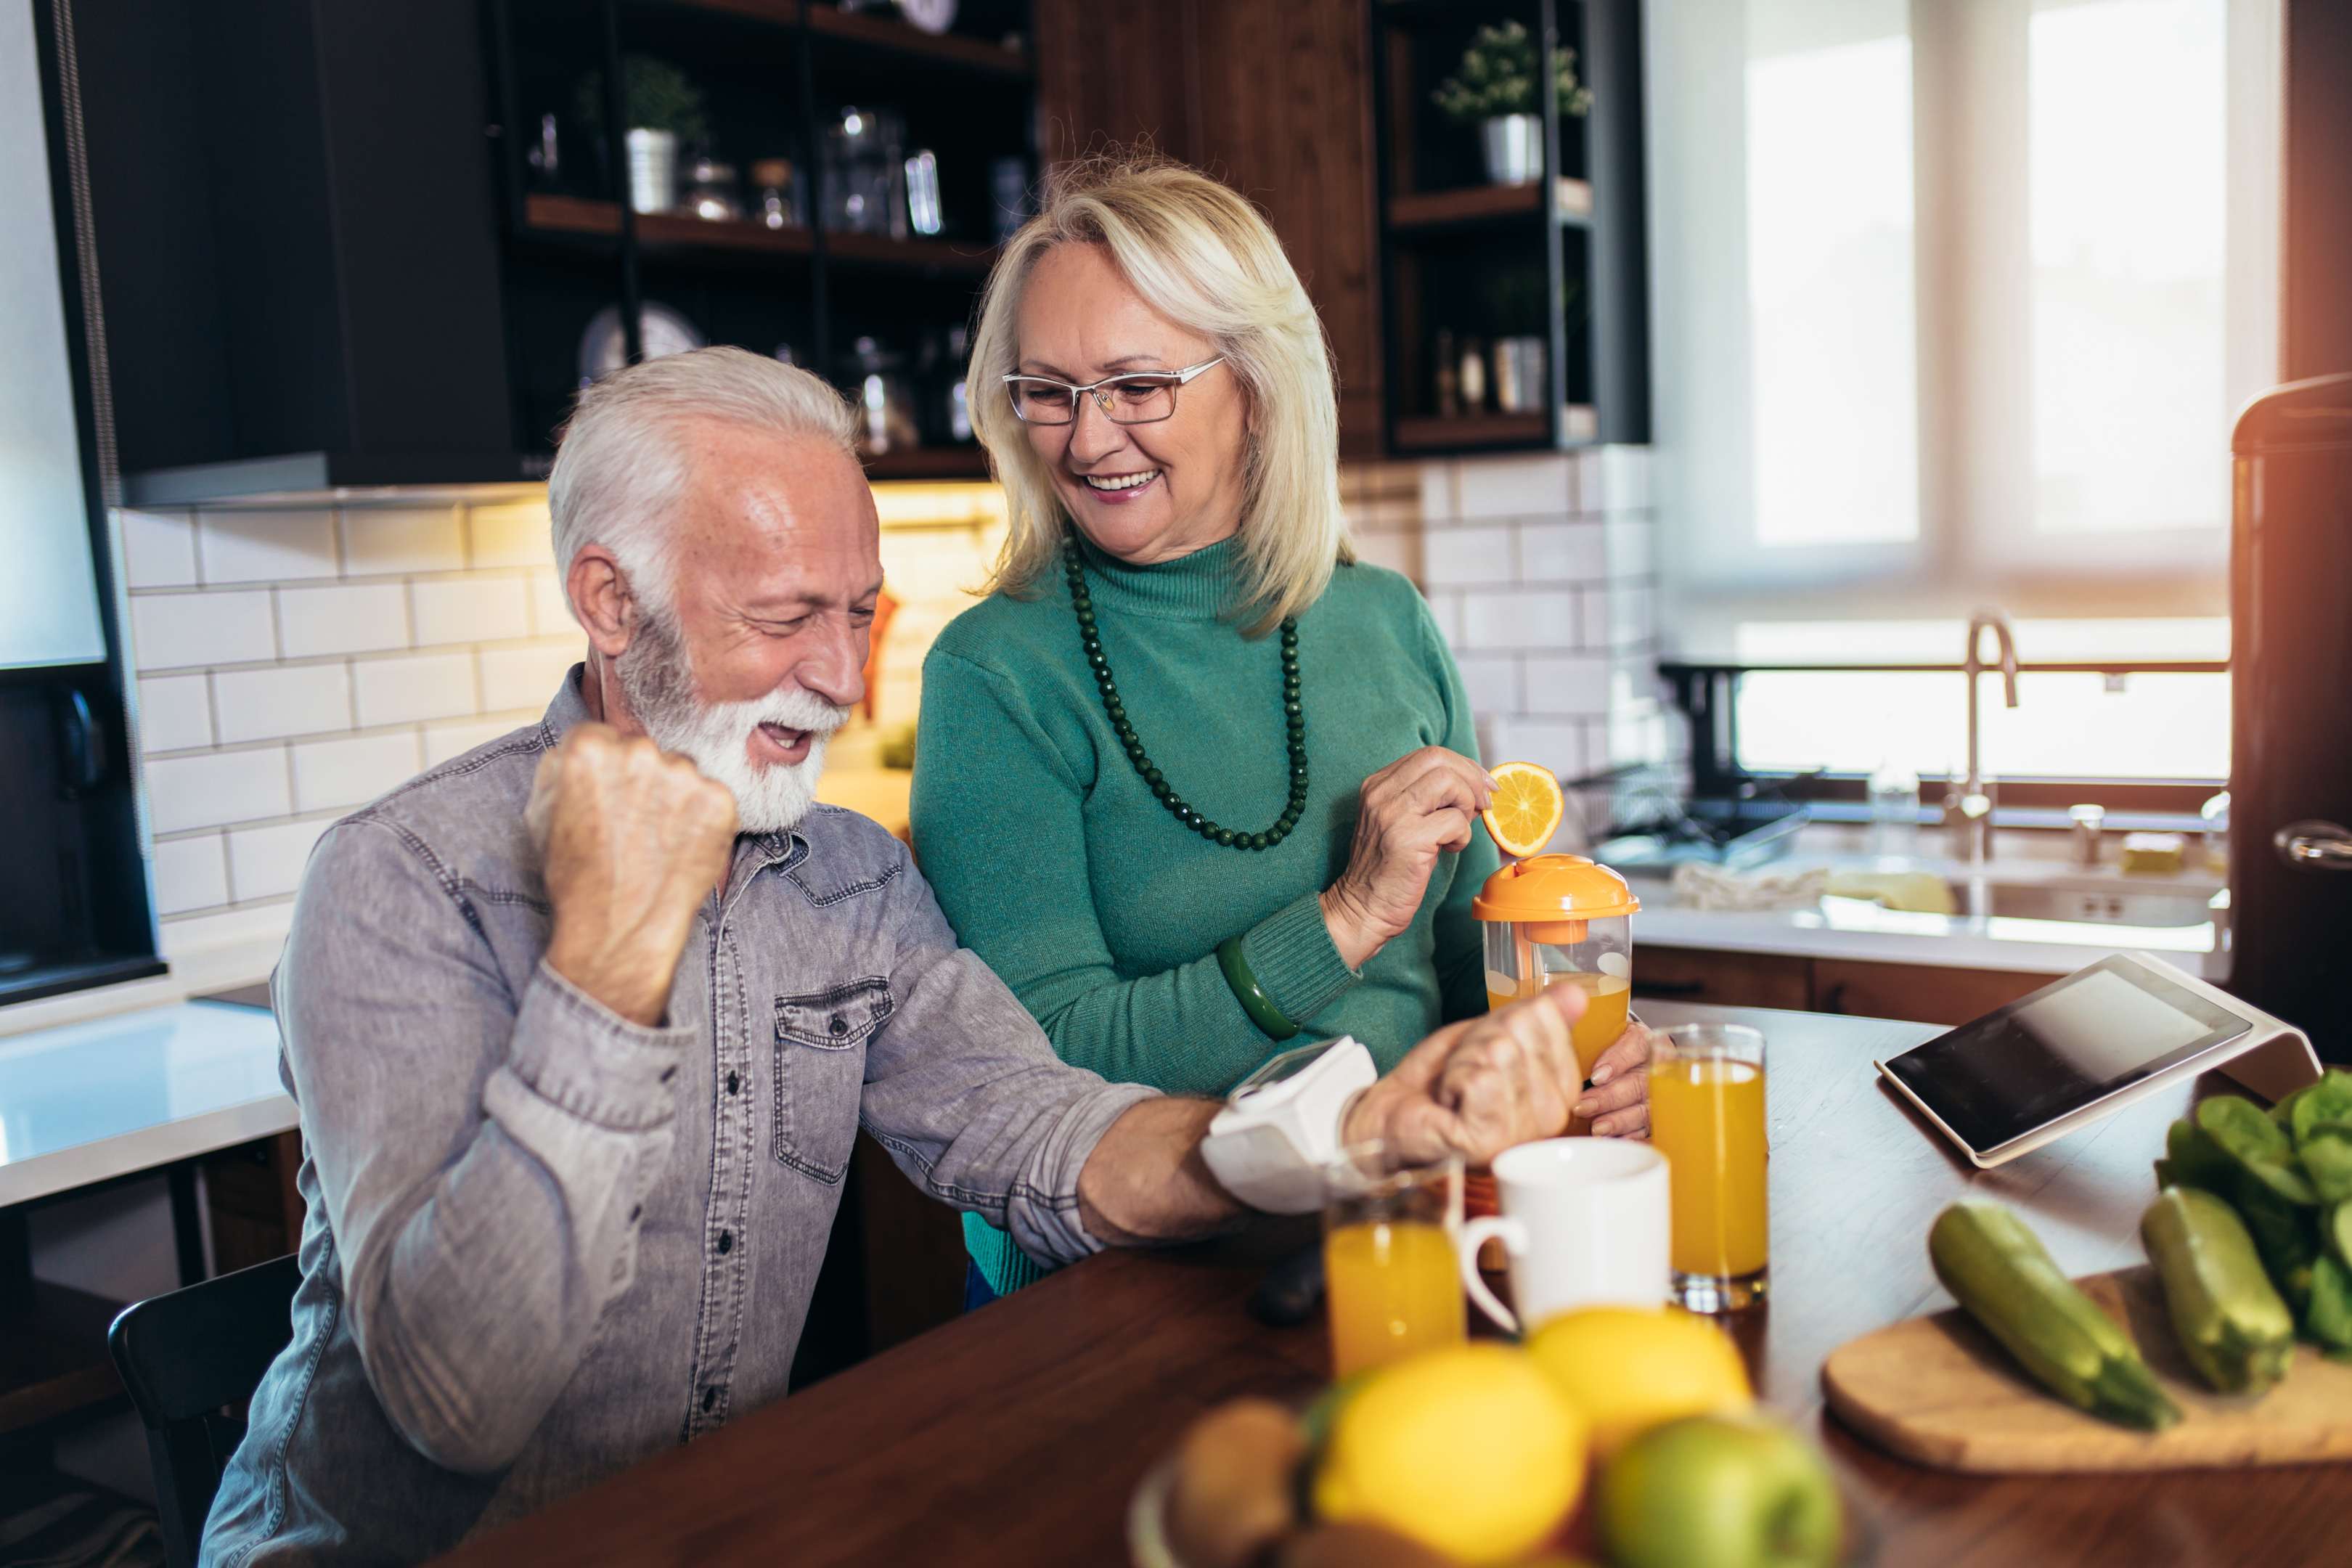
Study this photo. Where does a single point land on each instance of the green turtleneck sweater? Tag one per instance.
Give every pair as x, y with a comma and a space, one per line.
1058, 867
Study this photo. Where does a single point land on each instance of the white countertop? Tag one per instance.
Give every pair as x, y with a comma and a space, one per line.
90, 1100
1855, 929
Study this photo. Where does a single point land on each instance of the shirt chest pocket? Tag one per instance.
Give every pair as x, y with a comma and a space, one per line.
820, 1072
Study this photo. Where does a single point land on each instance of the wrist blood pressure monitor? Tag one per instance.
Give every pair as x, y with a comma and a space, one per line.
1281, 1125
2089, 1045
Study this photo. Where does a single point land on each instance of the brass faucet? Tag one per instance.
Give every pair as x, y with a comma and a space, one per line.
1971, 809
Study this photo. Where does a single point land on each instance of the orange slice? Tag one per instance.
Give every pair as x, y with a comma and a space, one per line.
1526, 809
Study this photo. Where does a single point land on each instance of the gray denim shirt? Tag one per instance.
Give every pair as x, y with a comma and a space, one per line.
545, 1243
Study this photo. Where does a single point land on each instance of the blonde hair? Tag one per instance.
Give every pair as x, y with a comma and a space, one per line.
1204, 259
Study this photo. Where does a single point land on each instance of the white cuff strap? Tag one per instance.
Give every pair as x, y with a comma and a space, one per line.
1281, 1125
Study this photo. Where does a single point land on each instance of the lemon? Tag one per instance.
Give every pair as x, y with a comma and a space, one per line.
1470, 1450
1630, 1370
1525, 810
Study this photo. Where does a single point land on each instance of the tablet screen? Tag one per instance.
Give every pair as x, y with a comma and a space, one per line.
2067, 1046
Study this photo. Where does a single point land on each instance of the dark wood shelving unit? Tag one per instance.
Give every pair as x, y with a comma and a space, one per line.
772, 75
1560, 258
1571, 203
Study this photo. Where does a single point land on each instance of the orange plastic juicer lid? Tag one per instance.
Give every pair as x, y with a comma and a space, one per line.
1555, 894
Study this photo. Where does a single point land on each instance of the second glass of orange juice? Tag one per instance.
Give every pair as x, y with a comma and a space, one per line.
1390, 1272
1706, 1116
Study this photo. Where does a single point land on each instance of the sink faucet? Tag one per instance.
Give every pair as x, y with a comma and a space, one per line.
1972, 810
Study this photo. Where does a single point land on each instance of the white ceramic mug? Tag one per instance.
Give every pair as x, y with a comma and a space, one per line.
1587, 1223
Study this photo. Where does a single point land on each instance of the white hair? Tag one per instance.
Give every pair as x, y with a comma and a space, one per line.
621, 464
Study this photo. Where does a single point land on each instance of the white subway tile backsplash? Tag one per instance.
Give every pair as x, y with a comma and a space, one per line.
267, 862
175, 712
1458, 557
1398, 549
290, 699
218, 787
550, 611
189, 874
1492, 680
1630, 540
1515, 487
442, 742
1554, 743
354, 617
421, 685
381, 539
172, 631
520, 677
1567, 684
1624, 480
511, 535
351, 771
265, 547
1441, 497
471, 609
1446, 608
1562, 552
159, 549
1517, 618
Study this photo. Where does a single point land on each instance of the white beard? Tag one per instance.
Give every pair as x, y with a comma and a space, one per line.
658, 681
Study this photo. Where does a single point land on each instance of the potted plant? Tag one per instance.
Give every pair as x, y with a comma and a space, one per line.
664, 108
1496, 90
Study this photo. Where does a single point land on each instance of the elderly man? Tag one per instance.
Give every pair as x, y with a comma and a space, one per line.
584, 1023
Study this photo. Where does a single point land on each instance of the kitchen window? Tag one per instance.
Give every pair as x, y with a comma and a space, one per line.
1956, 303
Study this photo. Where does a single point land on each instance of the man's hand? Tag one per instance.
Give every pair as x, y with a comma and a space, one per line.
631, 840
1481, 1086
1618, 1104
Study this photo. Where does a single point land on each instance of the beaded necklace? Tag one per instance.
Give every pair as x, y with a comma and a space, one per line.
1293, 715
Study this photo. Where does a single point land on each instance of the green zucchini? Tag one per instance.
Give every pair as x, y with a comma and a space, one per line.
2329, 1319
1999, 1270
2236, 1331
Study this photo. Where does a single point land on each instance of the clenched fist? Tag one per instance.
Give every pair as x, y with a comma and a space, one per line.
632, 841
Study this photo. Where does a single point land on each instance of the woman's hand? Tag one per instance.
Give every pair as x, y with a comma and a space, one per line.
1618, 1104
1414, 809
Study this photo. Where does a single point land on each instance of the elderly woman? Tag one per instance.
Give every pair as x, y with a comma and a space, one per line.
1196, 783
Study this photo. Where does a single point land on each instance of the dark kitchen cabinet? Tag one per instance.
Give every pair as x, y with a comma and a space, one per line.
329, 258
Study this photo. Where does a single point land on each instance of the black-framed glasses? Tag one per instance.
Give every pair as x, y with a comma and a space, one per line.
1141, 398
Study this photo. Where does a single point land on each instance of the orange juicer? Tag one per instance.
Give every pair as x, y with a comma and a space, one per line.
1561, 920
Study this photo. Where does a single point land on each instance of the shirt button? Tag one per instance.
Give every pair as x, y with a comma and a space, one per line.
840, 1025
726, 1241
733, 1083
710, 1397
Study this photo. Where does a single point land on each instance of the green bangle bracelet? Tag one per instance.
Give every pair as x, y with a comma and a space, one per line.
1250, 993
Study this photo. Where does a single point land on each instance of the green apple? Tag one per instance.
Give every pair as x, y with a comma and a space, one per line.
1717, 1491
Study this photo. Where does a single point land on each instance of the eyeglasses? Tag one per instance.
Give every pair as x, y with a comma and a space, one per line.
1141, 399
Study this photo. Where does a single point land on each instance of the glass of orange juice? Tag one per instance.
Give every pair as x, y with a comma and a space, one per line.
1706, 1116
1389, 1267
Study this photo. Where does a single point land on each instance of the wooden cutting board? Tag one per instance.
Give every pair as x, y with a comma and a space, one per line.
1941, 1392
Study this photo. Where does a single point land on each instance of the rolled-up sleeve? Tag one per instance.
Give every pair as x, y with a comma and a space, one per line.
482, 1156
965, 1091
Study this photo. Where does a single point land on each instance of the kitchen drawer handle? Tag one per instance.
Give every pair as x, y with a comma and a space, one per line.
1667, 989
2315, 846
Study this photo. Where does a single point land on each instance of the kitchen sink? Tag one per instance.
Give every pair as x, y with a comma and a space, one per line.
2090, 903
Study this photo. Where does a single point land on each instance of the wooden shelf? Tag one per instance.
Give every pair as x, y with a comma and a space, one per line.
879, 33
679, 231
1429, 434
929, 463
1483, 204
53, 1356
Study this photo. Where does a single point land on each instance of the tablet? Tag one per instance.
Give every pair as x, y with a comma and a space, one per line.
2083, 1047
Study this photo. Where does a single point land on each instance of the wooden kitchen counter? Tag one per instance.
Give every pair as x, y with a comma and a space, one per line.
1016, 1434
